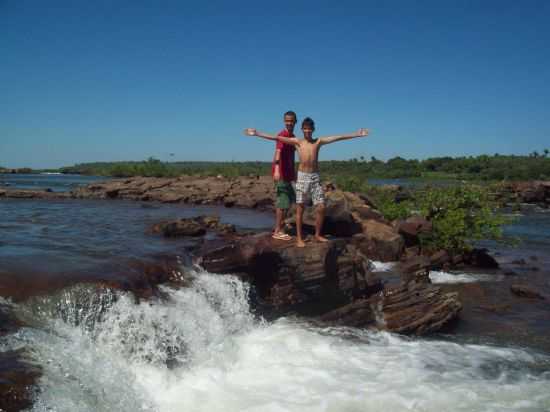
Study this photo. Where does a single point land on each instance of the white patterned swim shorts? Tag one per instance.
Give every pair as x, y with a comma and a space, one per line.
308, 185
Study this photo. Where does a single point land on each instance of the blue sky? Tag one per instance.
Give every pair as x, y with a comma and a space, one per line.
124, 80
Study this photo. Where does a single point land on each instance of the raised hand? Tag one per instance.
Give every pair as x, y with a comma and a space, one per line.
363, 132
250, 131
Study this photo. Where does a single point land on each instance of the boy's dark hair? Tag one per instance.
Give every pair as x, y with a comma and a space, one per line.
291, 113
308, 121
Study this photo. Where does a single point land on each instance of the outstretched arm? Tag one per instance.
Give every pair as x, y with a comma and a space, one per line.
332, 139
287, 140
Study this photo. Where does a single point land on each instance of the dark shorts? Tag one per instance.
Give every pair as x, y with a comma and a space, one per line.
285, 195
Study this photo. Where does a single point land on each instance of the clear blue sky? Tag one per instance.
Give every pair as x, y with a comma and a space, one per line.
124, 80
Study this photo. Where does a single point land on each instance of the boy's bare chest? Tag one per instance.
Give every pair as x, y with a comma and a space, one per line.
308, 149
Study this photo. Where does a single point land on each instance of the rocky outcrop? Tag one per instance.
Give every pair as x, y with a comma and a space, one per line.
249, 192
33, 194
411, 308
532, 192
333, 282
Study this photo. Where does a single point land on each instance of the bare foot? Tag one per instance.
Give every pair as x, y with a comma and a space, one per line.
321, 239
300, 243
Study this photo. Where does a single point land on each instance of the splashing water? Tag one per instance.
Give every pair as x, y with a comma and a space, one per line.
201, 349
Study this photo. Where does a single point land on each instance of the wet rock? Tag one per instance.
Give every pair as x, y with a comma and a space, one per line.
8, 321
439, 259
414, 264
359, 313
285, 275
526, 292
412, 228
480, 258
380, 241
16, 381
410, 252
33, 194
415, 308
182, 227
333, 282
196, 226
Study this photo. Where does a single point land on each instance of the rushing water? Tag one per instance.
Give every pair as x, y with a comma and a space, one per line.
200, 348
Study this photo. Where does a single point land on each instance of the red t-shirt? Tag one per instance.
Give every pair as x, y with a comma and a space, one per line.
286, 165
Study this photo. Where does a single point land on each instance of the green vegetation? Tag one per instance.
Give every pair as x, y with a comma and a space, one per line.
154, 167
479, 168
24, 170
460, 214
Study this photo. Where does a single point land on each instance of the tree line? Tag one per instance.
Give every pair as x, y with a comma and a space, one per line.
483, 167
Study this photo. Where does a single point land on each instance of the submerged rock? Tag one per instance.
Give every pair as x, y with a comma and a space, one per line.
526, 292
195, 226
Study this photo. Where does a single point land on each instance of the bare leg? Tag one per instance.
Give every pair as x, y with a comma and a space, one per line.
279, 214
299, 216
319, 219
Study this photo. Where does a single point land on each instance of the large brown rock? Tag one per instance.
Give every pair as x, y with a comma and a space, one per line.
284, 275
333, 282
408, 308
380, 241
415, 308
412, 228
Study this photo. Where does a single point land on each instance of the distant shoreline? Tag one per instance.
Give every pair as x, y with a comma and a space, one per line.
486, 168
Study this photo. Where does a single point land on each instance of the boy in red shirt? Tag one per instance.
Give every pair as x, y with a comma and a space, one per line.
284, 174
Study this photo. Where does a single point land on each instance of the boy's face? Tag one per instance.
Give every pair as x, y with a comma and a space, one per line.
290, 122
308, 132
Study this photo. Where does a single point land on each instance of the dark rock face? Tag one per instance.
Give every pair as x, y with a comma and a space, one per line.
480, 258
286, 275
334, 282
16, 380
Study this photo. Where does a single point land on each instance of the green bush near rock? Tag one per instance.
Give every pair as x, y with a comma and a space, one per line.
460, 215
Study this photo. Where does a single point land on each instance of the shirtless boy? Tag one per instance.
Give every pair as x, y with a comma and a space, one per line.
308, 183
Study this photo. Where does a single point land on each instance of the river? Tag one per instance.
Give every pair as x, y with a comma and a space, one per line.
203, 349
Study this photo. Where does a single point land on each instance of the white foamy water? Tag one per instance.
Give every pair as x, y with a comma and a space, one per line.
382, 266
202, 350
446, 277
